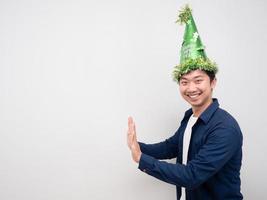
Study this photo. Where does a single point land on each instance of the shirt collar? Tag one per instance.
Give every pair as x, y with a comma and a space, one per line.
206, 115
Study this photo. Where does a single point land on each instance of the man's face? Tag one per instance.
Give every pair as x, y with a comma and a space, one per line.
196, 88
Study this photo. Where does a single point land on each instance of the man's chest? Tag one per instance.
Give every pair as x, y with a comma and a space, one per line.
197, 140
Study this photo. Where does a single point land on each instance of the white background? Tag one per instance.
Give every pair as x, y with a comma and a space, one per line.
71, 72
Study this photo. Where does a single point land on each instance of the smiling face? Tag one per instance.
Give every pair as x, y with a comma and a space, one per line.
196, 88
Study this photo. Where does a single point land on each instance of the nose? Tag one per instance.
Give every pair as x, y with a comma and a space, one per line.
191, 87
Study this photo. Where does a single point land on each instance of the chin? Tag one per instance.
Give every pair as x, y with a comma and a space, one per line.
195, 103
192, 102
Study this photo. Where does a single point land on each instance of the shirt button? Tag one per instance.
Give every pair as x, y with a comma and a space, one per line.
144, 170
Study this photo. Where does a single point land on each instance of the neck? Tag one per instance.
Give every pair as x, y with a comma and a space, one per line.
197, 111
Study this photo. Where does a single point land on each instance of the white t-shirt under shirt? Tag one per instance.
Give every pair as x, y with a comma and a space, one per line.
186, 141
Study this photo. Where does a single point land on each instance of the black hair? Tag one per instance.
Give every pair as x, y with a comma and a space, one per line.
211, 75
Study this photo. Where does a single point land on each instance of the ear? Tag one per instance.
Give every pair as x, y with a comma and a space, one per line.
213, 83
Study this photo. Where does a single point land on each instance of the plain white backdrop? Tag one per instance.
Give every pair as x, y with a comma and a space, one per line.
71, 72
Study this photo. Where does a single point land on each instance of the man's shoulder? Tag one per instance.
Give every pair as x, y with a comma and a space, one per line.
223, 114
225, 119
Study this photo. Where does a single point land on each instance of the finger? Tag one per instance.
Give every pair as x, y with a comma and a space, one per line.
131, 126
134, 128
130, 134
134, 137
129, 143
130, 138
134, 133
130, 120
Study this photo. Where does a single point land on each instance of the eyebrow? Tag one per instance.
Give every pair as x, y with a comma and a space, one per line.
199, 76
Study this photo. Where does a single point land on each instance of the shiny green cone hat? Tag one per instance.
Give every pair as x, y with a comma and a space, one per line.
192, 54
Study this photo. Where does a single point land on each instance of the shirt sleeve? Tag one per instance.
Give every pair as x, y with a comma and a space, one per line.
163, 150
221, 145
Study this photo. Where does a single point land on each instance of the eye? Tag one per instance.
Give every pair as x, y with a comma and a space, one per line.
199, 81
183, 83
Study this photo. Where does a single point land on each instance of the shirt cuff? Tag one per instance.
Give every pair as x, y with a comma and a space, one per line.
146, 163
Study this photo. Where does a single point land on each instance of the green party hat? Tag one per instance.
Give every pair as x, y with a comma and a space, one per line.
193, 54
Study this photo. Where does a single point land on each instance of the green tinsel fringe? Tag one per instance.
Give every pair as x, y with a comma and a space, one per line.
184, 14
193, 64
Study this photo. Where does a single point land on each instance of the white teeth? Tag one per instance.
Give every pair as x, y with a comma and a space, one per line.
193, 96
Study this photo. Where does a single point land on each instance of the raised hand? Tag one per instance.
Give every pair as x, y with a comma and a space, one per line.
132, 140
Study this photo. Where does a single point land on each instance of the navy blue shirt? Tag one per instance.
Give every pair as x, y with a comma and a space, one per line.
214, 157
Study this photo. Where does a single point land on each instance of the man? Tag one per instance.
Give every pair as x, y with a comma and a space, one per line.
208, 143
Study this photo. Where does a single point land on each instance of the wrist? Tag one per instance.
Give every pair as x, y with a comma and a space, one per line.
139, 157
